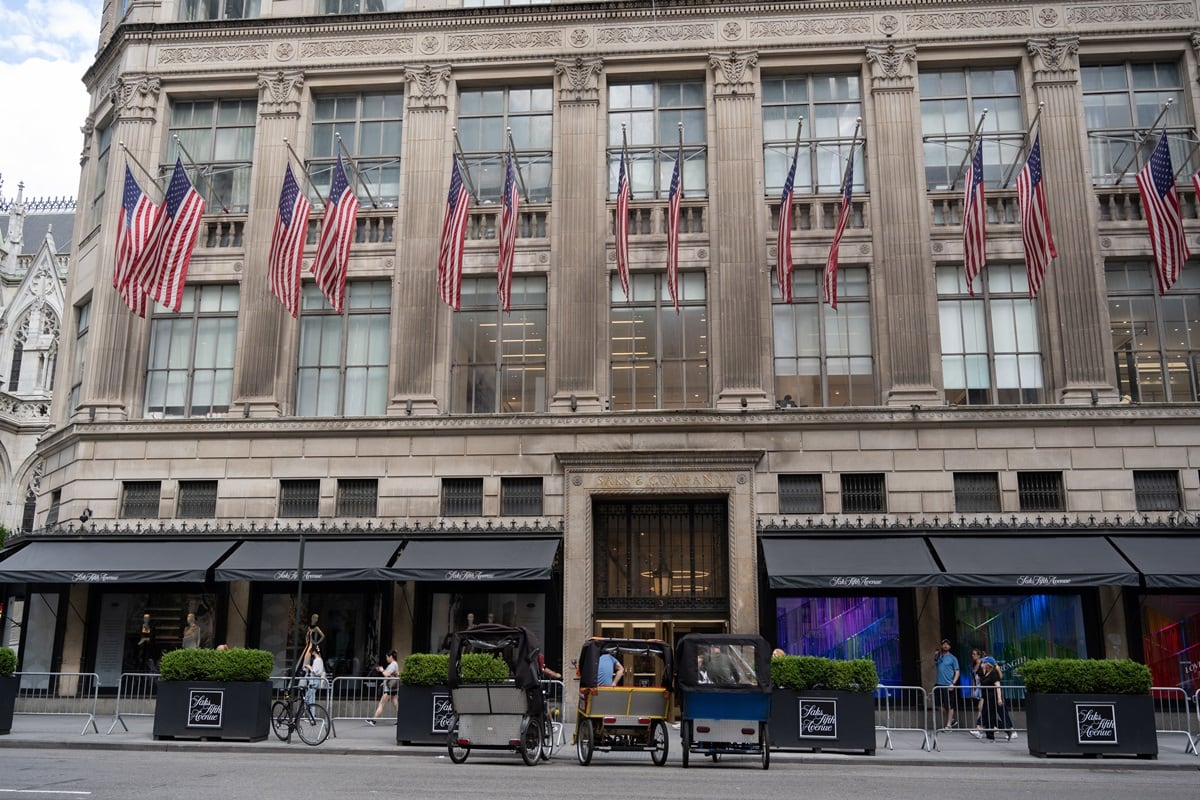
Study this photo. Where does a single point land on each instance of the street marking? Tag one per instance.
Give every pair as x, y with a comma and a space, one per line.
42, 791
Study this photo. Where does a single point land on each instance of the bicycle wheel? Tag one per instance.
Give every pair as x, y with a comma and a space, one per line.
585, 743
658, 734
685, 741
458, 752
764, 741
548, 737
531, 743
313, 724
281, 720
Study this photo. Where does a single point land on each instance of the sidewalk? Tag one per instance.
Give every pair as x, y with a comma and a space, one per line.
354, 737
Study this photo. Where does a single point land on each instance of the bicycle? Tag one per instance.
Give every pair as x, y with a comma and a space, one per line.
295, 713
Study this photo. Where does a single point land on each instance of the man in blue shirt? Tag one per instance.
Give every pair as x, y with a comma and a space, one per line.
947, 677
609, 670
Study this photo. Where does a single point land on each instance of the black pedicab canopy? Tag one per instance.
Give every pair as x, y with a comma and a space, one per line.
589, 657
518, 648
724, 661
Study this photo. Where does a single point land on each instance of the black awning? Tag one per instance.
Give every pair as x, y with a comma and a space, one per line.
469, 559
324, 560
1032, 562
849, 562
1166, 562
145, 561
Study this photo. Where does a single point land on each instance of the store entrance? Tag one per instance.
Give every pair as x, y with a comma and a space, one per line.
669, 630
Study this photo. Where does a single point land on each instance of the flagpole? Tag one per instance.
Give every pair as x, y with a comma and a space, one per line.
853, 144
466, 168
131, 157
1188, 160
1141, 139
303, 171
357, 174
970, 150
512, 148
679, 157
200, 174
1024, 141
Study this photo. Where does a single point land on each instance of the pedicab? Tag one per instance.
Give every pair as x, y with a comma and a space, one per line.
724, 686
498, 714
624, 718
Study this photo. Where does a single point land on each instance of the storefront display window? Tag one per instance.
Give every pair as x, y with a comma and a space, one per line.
1015, 628
37, 650
349, 620
842, 628
457, 612
135, 629
1171, 639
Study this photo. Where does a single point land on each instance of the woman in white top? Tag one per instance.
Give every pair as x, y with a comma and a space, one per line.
391, 674
316, 675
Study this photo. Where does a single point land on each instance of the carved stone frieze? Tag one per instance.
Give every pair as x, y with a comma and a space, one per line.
1130, 12
890, 64
970, 20
224, 52
427, 86
136, 97
656, 33
504, 40
1054, 56
822, 26
580, 79
733, 72
280, 92
341, 48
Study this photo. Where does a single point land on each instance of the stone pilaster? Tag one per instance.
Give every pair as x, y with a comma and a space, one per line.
737, 269
263, 364
579, 279
415, 322
903, 293
1071, 297
110, 372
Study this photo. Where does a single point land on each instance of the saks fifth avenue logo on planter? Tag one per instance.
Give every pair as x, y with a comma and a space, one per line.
854, 581
469, 575
1096, 723
443, 713
818, 719
1042, 580
205, 708
292, 574
94, 577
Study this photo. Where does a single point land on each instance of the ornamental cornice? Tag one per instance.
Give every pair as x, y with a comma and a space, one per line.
580, 79
989, 19
428, 86
280, 92
733, 72
1110, 13
811, 28
342, 48
136, 96
626, 461
204, 54
890, 65
639, 34
522, 41
1054, 57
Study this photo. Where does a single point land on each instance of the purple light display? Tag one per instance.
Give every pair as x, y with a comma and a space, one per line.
842, 628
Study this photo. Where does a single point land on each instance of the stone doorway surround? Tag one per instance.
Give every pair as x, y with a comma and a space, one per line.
623, 475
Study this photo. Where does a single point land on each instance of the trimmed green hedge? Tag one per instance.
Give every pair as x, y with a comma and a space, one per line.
8, 662
813, 672
235, 664
433, 669
1086, 676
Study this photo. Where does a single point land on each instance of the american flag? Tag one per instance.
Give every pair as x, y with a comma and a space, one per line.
163, 272
1160, 202
676, 194
783, 247
621, 228
337, 234
974, 221
138, 217
1035, 219
509, 215
287, 243
831, 263
454, 231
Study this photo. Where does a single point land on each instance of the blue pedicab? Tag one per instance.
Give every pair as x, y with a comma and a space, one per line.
504, 715
724, 686
627, 718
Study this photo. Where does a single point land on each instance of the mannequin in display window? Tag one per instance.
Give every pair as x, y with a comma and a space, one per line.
145, 646
191, 633
314, 637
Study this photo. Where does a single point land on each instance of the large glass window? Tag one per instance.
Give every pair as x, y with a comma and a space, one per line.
842, 628
1014, 628
1120, 103
823, 357
500, 359
991, 349
1171, 639
951, 103
651, 114
134, 630
659, 356
484, 117
218, 136
360, 6
370, 127
83, 319
343, 363
1155, 339
486, 3
194, 10
830, 104
190, 371
349, 619
100, 177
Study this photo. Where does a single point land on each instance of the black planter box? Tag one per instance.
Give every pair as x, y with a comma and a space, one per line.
8, 699
832, 720
239, 711
1091, 724
424, 715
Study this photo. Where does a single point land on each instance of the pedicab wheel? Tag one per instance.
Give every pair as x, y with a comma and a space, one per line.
458, 753
585, 742
547, 739
313, 726
531, 743
715, 757
658, 734
685, 741
279, 720
764, 742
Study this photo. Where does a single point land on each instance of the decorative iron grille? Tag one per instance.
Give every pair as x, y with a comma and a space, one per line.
801, 494
197, 499
139, 500
462, 497
357, 497
863, 493
976, 492
1040, 491
299, 498
1157, 490
521, 497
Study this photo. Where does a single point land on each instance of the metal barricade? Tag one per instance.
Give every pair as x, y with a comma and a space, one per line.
358, 698
902, 708
1173, 714
967, 703
73, 694
555, 710
137, 694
